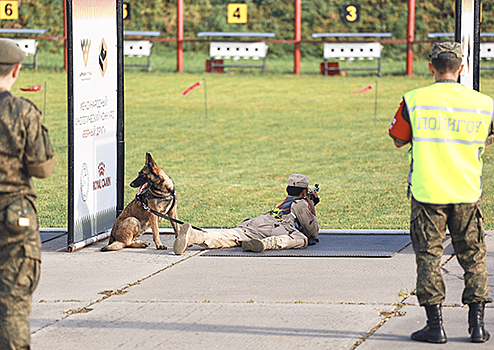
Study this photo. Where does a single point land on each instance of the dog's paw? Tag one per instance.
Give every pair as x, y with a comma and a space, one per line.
161, 247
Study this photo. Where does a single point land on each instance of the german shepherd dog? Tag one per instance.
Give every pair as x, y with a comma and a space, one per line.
157, 191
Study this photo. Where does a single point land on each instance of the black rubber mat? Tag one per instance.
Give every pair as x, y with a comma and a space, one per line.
332, 245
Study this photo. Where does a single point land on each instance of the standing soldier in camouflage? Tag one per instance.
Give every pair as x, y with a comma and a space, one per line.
25, 151
447, 125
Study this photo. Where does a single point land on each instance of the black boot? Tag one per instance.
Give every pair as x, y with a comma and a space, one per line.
434, 331
478, 334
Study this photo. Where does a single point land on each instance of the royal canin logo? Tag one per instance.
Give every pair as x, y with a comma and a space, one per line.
103, 181
101, 169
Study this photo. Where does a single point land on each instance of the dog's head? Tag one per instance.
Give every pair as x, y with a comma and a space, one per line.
152, 178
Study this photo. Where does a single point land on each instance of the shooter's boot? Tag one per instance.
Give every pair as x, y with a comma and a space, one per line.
275, 242
208, 239
478, 334
434, 331
186, 237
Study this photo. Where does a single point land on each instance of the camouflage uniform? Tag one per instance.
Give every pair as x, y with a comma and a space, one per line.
25, 151
445, 181
428, 230
295, 226
302, 222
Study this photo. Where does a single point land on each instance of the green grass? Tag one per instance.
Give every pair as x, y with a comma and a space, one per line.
260, 129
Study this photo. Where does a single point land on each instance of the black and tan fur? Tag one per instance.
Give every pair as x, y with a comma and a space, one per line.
157, 190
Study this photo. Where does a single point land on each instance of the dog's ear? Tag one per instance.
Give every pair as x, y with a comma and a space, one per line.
149, 159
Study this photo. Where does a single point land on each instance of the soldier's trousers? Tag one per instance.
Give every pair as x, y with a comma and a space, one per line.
428, 224
19, 272
227, 238
18, 279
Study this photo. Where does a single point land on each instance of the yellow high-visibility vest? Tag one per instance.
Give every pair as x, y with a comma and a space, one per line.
450, 124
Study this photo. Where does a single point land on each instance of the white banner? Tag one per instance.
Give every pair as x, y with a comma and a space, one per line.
94, 69
467, 40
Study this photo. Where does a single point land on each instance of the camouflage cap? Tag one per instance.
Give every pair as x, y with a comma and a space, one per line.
446, 49
10, 52
298, 180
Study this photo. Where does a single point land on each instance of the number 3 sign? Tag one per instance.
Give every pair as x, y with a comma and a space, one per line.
351, 13
237, 13
9, 10
126, 11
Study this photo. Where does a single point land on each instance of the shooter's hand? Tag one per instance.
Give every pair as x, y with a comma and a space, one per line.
314, 197
311, 205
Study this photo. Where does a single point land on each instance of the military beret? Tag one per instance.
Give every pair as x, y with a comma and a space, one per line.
10, 52
298, 180
446, 49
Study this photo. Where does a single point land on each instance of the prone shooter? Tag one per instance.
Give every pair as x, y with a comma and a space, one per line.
284, 208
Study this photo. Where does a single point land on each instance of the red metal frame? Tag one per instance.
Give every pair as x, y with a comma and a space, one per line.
180, 35
296, 41
298, 36
410, 36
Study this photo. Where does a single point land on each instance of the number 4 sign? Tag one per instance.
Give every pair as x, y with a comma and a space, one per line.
9, 10
237, 13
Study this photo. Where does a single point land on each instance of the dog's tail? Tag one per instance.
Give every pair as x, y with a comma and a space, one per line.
113, 246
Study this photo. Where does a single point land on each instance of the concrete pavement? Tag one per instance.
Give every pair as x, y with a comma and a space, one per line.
151, 299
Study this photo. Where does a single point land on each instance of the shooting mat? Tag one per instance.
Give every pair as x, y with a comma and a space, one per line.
332, 245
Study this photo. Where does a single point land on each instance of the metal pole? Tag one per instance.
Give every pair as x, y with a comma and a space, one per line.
375, 107
458, 21
120, 113
70, 124
205, 100
180, 35
65, 35
476, 45
298, 35
458, 24
410, 36
44, 105
467, 33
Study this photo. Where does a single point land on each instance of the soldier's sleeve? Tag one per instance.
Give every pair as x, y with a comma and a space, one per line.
39, 155
400, 129
308, 221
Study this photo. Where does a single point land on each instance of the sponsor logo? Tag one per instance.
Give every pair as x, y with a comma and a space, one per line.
103, 181
103, 57
84, 182
101, 169
85, 75
85, 46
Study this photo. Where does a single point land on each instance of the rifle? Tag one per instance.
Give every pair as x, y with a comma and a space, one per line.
311, 194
